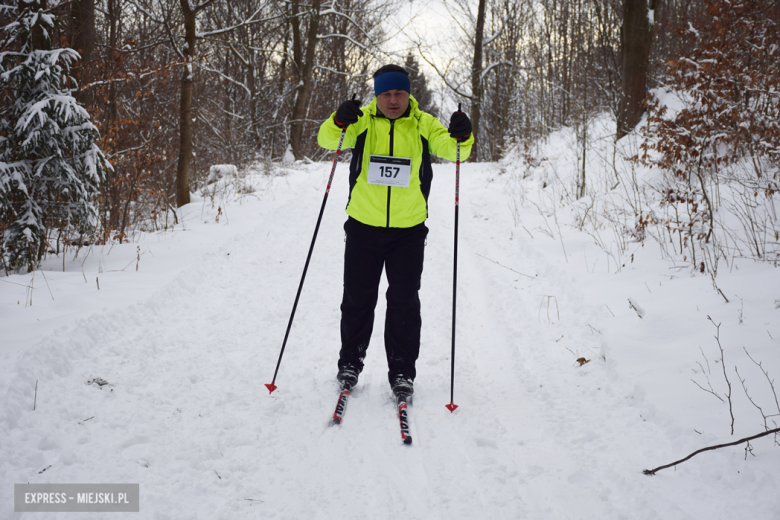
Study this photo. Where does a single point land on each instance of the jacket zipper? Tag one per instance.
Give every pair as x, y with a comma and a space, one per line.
392, 130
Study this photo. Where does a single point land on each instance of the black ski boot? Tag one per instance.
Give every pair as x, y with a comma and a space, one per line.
403, 388
347, 377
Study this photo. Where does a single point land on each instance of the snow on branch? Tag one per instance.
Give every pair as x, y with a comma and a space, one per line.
146, 12
332, 10
344, 36
249, 21
492, 37
334, 71
220, 74
202, 6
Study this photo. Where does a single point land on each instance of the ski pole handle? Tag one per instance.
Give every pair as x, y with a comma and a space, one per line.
457, 185
338, 153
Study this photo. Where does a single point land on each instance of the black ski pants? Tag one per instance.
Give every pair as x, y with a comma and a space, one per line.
400, 252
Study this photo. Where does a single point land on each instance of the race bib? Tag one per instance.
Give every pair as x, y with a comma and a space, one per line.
389, 171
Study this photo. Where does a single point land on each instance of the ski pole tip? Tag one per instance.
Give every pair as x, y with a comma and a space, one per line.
271, 387
451, 407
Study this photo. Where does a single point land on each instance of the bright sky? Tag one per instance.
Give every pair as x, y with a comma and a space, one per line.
429, 21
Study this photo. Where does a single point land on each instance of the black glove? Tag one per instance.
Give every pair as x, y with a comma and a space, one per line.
460, 125
348, 113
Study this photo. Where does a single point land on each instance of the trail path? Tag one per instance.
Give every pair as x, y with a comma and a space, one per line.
188, 417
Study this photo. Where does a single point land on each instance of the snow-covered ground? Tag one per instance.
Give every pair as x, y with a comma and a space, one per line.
186, 328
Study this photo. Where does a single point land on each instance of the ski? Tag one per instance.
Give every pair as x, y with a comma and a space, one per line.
403, 418
341, 407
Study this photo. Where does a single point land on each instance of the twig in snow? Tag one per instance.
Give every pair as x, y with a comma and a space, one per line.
47, 285
634, 305
505, 267
706, 375
85, 259
35, 400
771, 382
710, 391
723, 365
548, 308
748, 449
760, 410
14, 283
30, 289
747, 439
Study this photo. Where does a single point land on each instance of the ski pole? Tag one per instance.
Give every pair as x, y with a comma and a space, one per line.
271, 386
451, 407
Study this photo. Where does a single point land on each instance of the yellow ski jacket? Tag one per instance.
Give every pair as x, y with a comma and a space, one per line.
415, 135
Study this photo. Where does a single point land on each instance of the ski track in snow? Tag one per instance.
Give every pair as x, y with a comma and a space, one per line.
187, 415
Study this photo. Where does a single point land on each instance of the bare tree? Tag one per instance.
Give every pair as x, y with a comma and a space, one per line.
636, 42
303, 58
476, 74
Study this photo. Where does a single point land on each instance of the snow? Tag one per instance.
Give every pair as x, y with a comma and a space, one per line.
288, 158
218, 171
186, 328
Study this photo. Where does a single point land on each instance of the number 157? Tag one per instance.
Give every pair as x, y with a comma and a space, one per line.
389, 171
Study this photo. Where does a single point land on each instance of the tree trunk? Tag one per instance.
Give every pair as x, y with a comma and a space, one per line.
40, 41
636, 40
303, 89
280, 95
82, 39
476, 79
185, 110
111, 127
252, 87
83, 29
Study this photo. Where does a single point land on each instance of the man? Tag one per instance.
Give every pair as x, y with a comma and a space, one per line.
390, 177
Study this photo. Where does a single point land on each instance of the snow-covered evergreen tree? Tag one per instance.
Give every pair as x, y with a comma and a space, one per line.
50, 166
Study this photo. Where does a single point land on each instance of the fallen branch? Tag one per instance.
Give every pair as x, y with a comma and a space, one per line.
747, 439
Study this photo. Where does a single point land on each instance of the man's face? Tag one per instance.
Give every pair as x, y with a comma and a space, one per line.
393, 103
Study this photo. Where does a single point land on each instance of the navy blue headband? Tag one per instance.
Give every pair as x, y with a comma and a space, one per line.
390, 81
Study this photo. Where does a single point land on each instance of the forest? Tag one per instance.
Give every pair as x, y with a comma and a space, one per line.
114, 111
